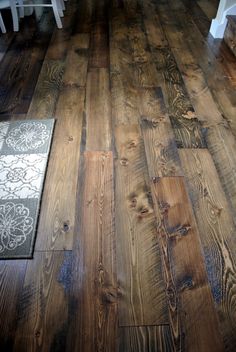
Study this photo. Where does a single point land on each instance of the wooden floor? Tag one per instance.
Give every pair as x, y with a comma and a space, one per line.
136, 243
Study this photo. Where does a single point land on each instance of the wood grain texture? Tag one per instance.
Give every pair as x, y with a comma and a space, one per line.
142, 297
160, 147
84, 16
124, 94
21, 66
76, 63
101, 77
95, 287
145, 74
11, 282
229, 34
194, 78
219, 83
145, 338
224, 55
98, 110
43, 313
217, 233
198, 16
5, 42
221, 145
58, 209
99, 44
99, 48
209, 8
47, 89
193, 319
61, 38
186, 124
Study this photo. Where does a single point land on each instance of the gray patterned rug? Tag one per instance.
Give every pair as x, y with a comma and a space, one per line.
24, 151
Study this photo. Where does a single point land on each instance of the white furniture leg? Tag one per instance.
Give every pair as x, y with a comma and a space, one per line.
21, 9
56, 13
60, 8
15, 18
62, 5
2, 25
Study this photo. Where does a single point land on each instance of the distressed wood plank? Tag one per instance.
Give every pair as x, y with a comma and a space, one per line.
84, 16
43, 313
145, 338
142, 296
221, 145
21, 66
193, 77
11, 282
193, 318
99, 44
99, 48
47, 89
160, 147
229, 34
61, 38
124, 94
217, 232
209, 8
77, 60
185, 122
219, 83
98, 110
49, 83
199, 17
58, 210
145, 74
95, 287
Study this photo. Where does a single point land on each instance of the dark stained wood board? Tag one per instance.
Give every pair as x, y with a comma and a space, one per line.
94, 283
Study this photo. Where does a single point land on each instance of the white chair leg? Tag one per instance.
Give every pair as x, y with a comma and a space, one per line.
62, 5
59, 7
2, 25
56, 13
14, 14
21, 9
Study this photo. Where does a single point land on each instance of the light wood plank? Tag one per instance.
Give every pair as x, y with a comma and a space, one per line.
192, 314
142, 294
58, 210
217, 232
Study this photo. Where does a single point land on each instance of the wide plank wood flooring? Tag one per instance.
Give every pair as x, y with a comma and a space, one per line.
136, 242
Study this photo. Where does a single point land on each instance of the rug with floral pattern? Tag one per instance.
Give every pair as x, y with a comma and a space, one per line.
24, 152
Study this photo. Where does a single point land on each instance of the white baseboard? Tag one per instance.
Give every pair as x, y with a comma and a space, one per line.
218, 28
